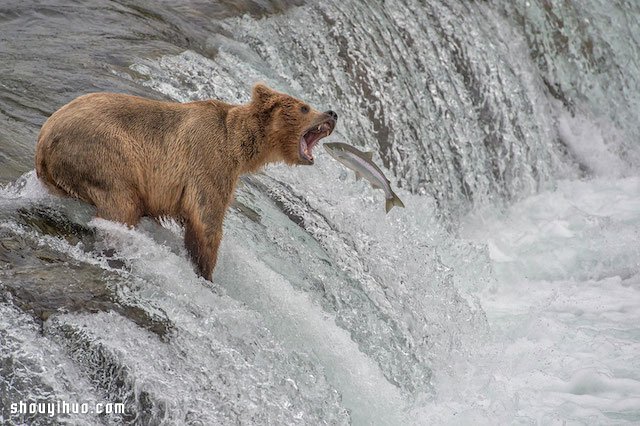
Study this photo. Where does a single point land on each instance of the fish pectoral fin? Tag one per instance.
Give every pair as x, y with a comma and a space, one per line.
369, 155
358, 176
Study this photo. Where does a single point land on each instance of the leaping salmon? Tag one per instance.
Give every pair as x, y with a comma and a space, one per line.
361, 163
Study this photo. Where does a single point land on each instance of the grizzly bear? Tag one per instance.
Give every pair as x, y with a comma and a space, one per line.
132, 157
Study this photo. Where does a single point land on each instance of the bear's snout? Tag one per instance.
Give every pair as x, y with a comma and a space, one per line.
332, 114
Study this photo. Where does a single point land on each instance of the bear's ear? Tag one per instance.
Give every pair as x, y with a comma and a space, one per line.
261, 93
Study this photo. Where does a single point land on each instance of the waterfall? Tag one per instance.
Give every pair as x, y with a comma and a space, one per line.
323, 307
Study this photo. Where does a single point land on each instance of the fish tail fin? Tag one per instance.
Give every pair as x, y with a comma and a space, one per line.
393, 201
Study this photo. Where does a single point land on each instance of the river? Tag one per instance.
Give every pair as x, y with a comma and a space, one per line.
506, 292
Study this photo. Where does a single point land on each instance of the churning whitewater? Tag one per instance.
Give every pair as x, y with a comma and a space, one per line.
505, 292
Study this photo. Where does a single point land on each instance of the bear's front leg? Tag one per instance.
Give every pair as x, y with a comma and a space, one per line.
203, 232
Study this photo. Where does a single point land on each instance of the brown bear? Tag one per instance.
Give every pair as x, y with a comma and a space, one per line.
131, 156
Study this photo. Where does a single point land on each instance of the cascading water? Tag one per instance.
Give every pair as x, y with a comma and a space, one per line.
324, 309
444, 92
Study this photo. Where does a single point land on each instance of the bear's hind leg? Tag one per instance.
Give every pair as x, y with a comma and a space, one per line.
118, 206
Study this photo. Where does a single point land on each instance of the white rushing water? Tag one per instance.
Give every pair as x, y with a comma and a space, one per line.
506, 292
558, 349
565, 307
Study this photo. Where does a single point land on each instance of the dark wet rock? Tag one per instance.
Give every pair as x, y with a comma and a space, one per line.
52, 222
246, 211
41, 281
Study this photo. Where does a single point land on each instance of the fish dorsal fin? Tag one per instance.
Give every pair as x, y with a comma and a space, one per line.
368, 155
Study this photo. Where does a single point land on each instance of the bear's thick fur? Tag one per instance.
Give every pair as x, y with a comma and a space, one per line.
134, 157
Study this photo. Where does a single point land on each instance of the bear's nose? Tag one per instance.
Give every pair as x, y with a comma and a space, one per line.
332, 115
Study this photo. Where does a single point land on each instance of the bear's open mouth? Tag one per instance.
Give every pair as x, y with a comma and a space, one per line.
311, 137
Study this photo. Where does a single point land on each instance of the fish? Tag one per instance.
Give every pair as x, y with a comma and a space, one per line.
364, 167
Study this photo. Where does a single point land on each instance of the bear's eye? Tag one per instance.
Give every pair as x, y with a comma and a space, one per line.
304, 109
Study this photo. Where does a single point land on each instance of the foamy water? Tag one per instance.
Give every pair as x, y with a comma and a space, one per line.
506, 292
565, 307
